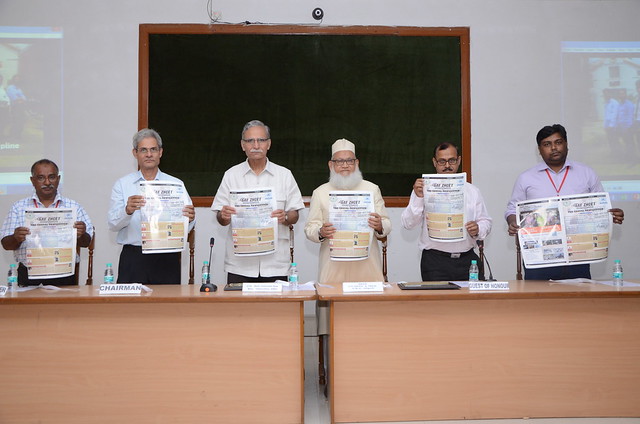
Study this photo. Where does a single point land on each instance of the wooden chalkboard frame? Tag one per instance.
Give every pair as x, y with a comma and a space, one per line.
145, 30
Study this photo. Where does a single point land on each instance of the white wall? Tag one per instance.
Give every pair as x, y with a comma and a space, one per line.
515, 90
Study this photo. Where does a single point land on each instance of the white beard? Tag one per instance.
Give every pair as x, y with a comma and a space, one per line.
349, 182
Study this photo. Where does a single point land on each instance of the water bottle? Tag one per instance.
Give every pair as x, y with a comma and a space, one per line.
617, 273
473, 271
12, 278
205, 272
108, 275
293, 276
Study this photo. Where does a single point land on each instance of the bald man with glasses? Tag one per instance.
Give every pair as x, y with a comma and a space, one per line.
256, 172
448, 261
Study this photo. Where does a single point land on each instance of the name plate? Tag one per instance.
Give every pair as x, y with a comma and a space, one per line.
364, 286
134, 288
3, 290
489, 285
261, 288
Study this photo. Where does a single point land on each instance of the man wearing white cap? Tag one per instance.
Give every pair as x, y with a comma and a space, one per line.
345, 175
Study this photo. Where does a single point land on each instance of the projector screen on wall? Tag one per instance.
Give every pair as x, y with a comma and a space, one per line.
601, 88
30, 102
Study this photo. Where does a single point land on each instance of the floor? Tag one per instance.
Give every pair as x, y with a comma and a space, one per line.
316, 406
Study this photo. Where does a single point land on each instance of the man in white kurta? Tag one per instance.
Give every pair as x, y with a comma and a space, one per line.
345, 175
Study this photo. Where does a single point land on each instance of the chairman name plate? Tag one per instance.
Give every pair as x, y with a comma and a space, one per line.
117, 289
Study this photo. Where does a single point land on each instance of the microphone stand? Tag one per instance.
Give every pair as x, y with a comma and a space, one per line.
208, 287
483, 257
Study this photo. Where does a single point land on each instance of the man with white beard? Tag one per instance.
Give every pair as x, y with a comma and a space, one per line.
345, 175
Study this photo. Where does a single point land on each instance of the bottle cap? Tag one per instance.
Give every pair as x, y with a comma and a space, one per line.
109, 264
12, 266
617, 261
205, 263
473, 261
294, 264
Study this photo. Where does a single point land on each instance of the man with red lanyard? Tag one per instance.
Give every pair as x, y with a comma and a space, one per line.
554, 177
45, 178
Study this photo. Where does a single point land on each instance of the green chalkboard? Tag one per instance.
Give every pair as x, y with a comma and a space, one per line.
395, 93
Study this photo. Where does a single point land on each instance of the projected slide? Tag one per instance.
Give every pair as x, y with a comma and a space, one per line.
601, 89
30, 102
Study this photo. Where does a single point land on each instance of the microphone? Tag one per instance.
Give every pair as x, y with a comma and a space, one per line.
208, 287
484, 260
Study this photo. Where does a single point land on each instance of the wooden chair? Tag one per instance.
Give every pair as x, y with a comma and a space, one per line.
383, 241
90, 248
291, 242
518, 259
191, 240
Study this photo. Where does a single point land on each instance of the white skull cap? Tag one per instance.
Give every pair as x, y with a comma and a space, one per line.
343, 144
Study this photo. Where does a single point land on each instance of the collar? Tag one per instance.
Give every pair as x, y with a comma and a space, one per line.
246, 168
56, 200
541, 166
141, 177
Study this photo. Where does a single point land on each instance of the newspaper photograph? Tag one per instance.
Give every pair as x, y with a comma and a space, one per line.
564, 230
51, 244
349, 213
253, 230
444, 206
164, 227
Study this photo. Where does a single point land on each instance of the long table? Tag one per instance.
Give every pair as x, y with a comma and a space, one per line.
541, 349
171, 356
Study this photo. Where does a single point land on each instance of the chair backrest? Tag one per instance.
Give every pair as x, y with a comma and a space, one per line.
383, 241
518, 259
191, 240
291, 243
90, 249
481, 261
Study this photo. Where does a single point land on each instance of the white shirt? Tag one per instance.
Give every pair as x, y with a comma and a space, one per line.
475, 210
288, 198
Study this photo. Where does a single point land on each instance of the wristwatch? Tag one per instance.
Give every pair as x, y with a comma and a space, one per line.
320, 236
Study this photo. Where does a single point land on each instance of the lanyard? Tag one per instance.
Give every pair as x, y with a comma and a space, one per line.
566, 172
55, 206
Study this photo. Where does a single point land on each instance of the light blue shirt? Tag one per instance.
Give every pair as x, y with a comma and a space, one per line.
128, 226
534, 183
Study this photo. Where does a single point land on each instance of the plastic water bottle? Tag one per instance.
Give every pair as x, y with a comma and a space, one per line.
108, 275
205, 272
473, 271
12, 278
293, 276
617, 273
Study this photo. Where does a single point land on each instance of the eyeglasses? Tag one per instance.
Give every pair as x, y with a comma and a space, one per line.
443, 162
144, 150
559, 142
50, 177
253, 140
342, 162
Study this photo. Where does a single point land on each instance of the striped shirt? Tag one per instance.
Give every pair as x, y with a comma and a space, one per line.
15, 219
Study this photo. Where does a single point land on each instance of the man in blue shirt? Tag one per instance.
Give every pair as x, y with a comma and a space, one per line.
124, 217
